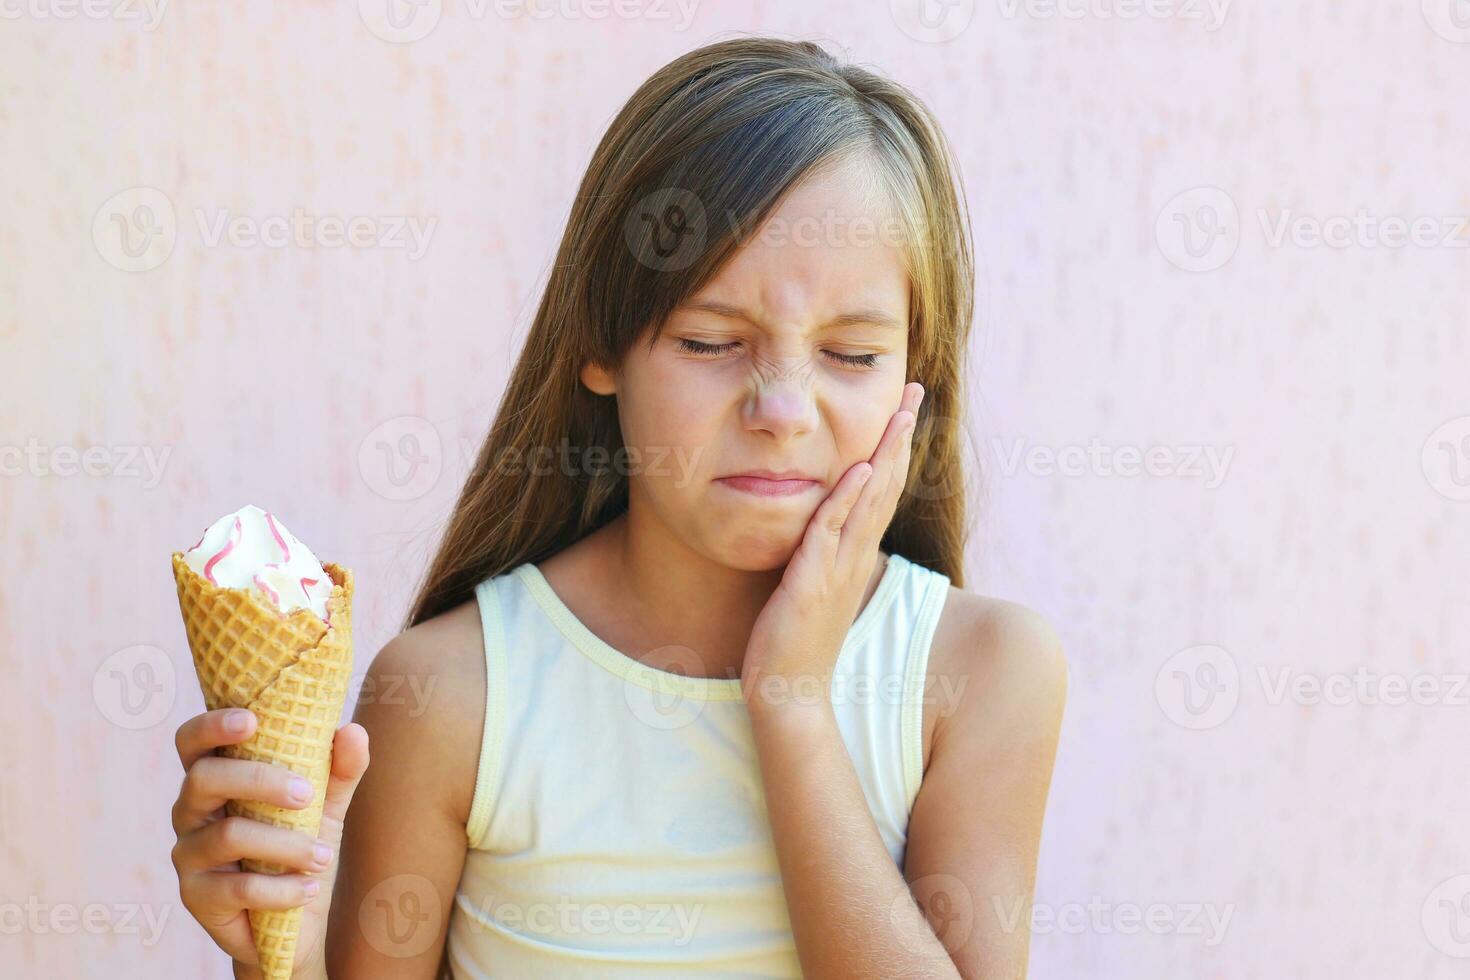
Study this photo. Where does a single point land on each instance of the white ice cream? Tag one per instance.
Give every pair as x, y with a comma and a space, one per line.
250, 549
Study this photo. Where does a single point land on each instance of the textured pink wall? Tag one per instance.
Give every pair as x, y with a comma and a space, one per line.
1275, 837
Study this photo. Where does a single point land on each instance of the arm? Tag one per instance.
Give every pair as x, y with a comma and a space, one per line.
404, 844
851, 911
974, 831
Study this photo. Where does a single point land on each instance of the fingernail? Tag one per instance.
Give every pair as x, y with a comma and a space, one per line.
237, 721
300, 789
312, 887
322, 853
867, 475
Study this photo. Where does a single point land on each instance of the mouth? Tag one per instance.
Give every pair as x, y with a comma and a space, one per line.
765, 483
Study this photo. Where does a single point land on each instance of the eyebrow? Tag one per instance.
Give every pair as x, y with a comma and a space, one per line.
850, 318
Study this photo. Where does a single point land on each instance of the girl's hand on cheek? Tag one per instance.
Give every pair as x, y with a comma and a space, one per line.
794, 644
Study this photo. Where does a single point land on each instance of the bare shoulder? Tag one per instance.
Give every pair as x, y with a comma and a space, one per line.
425, 693
992, 663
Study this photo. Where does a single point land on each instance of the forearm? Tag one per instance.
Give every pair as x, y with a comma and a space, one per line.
852, 913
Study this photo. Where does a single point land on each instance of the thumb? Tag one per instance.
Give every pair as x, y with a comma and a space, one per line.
349, 762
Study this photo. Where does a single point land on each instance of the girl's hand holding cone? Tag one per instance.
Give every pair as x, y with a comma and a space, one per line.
211, 843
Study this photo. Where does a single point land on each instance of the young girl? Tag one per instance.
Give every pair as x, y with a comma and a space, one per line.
697, 693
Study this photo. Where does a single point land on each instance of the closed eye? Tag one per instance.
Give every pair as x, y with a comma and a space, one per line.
715, 350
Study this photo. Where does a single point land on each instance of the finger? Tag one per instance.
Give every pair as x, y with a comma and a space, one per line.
204, 733
214, 779
349, 761
890, 465
237, 838
824, 531
229, 929
218, 892
886, 499
885, 457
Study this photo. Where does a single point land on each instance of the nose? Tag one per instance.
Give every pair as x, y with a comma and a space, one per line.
785, 407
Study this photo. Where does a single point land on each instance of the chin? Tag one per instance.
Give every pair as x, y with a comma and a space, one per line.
757, 550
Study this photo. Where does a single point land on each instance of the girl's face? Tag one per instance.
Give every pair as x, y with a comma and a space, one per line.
791, 359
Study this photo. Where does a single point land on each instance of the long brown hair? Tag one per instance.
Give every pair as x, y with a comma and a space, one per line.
720, 133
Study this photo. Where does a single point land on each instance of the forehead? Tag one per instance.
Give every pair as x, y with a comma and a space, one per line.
832, 243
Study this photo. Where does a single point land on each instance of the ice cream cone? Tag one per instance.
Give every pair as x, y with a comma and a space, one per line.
292, 671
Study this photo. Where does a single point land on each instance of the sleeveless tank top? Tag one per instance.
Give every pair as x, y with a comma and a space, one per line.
618, 826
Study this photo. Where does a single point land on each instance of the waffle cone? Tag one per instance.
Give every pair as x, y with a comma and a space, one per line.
292, 671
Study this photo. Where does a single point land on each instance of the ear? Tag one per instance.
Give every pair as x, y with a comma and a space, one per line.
598, 379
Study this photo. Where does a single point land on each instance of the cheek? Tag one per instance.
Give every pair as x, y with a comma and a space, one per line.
858, 431
667, 408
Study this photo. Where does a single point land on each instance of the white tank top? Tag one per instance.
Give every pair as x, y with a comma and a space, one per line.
618, 826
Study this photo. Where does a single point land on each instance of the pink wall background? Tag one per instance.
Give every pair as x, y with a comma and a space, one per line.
1329, 838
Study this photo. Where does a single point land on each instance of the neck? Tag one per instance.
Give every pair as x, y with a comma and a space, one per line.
698, 605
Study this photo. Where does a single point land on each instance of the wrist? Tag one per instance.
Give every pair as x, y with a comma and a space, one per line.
774, 708
782, 694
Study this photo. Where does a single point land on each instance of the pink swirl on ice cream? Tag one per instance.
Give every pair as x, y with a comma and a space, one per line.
250, 549
214, 559
276, 532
